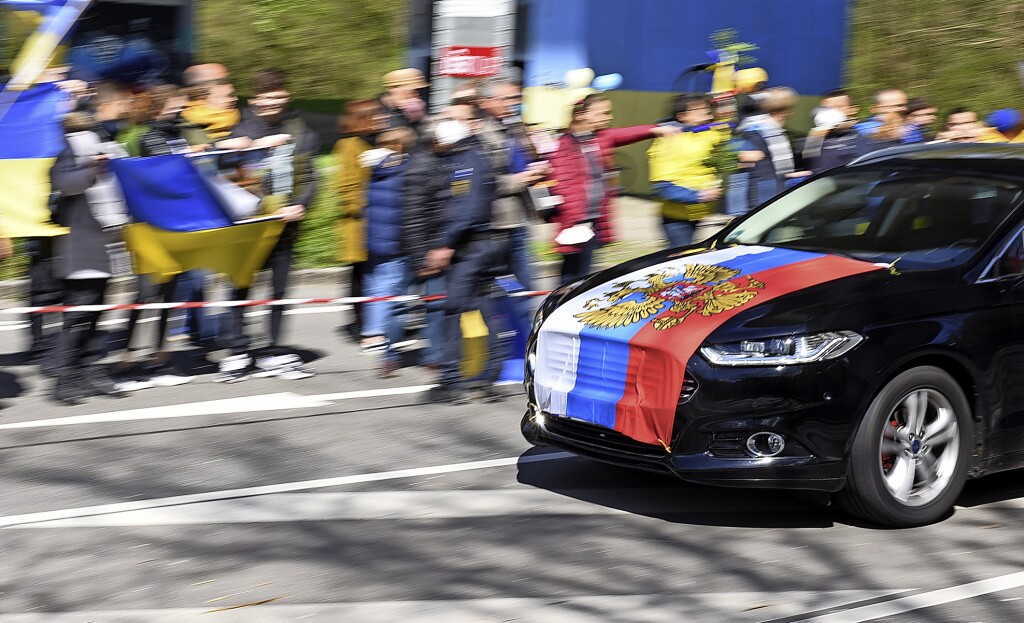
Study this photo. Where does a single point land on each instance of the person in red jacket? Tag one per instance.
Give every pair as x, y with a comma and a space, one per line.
583, 168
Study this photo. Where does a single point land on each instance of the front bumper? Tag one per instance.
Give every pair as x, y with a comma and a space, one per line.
814, 407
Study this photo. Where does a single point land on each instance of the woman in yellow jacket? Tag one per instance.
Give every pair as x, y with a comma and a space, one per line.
360, 124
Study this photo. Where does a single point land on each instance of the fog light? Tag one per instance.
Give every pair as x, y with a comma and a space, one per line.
765, 444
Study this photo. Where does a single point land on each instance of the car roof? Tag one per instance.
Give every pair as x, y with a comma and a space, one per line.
1000, 158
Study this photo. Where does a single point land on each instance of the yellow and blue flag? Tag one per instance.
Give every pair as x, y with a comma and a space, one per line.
42, 47
31, 138
179, 223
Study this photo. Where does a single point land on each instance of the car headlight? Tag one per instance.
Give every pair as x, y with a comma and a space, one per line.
783, 351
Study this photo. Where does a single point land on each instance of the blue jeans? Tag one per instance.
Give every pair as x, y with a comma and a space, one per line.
435, 319
519, 256
434, 331
386, 278
737, 194
678, 233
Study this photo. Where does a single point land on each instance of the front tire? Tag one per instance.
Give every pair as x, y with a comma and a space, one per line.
909, 458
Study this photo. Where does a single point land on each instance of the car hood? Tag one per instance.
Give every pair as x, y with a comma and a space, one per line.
614, 352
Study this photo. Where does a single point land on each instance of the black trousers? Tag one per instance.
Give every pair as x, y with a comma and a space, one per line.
44, 289
280, 265
76, 345
468, 284
355, 290
149, 292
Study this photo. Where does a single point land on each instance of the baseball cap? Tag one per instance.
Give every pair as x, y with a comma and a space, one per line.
1004, 119
408, 77
747, 79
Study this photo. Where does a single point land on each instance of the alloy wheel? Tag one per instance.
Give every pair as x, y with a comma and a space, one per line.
919, 447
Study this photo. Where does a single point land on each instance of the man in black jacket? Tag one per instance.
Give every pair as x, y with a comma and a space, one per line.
466, 251
425, 192
288, 187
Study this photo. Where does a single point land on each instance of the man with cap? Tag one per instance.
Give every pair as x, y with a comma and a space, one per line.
401, 98
750, 84
1008, 122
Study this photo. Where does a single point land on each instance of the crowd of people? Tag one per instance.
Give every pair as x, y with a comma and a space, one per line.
427, 204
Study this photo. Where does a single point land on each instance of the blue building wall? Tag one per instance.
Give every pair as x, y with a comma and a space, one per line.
650, 42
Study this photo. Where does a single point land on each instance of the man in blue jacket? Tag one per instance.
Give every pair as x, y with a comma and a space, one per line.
467, 251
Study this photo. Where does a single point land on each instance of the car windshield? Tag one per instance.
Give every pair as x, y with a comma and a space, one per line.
923, 219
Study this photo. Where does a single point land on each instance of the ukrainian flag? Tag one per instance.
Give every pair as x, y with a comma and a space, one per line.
31, 138
179, 223
42, 47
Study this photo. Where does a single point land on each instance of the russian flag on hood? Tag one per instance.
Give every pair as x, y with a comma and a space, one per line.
615, 355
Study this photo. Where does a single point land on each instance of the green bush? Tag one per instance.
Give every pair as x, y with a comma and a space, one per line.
952, 52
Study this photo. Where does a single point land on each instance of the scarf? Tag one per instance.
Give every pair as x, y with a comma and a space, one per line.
215, 121
779, 149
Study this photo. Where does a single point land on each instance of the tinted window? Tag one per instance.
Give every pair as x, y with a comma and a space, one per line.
1011, 260
922, 219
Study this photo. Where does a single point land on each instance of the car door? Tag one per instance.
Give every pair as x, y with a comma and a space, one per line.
1006, 328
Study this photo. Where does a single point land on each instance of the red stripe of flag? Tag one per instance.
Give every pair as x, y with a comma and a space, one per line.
647, 409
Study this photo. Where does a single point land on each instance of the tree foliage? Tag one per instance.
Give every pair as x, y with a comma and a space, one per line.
952, 52
330, 49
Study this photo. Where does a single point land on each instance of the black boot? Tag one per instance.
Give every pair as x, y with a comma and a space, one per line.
68, 388
99, 382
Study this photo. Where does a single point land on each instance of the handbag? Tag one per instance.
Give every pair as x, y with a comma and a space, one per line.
545, 204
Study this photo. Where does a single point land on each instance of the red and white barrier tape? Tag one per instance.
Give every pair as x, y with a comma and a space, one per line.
350, 300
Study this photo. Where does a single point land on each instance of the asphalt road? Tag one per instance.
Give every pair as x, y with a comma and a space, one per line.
345, 497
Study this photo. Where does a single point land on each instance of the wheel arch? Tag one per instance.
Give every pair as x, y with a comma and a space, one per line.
966, 377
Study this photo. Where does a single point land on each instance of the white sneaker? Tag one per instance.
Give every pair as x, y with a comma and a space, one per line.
170, 380
234, 369
275, 365
296, 373
133, 385
288, 367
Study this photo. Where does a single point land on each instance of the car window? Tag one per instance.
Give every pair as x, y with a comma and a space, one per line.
921, 218
1011, 261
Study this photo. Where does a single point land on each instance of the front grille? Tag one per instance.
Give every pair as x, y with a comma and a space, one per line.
594, 435
729, 445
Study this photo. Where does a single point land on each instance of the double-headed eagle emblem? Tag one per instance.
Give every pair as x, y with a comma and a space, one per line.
694, 289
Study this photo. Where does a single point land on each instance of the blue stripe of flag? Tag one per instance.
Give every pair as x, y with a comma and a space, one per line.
31, 127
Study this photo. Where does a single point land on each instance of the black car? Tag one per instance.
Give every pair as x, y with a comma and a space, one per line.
861, 334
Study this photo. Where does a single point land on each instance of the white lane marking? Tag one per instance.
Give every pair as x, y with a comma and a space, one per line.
736, 607
364, 506
244, 404
923, 600
288, 487
376, 393
264, 402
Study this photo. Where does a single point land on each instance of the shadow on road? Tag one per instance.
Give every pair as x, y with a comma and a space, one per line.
670, 499
10, 386
993, 489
